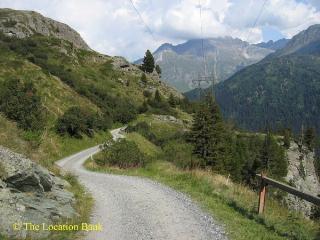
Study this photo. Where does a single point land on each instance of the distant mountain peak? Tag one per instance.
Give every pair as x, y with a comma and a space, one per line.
274, 45
307, 41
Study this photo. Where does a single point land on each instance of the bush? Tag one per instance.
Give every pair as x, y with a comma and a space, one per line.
180, 153
144, 129
123, 154
77, 121
19, 102
3, 173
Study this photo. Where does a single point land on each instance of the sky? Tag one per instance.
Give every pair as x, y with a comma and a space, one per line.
114, 27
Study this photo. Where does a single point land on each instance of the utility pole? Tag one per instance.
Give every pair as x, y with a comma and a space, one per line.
199, 81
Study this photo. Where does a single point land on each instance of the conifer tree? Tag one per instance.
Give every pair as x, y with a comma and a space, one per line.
158, 69
208, 135
309, 138
172, 101
273, 158
157, 97
144, 78
148, 62
286, 138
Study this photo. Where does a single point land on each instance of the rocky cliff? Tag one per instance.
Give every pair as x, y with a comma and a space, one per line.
23, 24
30, 193
301, 175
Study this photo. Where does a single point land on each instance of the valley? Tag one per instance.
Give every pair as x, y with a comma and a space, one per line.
94, 140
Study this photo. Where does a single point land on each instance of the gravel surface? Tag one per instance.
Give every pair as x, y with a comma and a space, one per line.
134, 208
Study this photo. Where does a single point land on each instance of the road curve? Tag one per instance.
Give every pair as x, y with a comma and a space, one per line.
134, 208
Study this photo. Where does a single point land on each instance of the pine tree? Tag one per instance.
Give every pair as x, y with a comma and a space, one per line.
273, 158
209, 137
144, 107
309, 138
286, 138
148, 62
157, 97
172, 101
158, 69
144, 78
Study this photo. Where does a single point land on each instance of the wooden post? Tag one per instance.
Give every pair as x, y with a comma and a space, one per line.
262, 195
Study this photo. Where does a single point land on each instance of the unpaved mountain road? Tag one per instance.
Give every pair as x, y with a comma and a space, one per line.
134, 208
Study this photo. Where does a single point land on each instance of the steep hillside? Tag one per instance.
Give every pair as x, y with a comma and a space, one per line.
22, 24
63, 74
304, 42
280, 91
181, 63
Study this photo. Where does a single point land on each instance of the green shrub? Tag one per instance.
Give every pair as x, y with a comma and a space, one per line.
77, 121
123, 154
180, 153
144, 129
3, 173
19, 102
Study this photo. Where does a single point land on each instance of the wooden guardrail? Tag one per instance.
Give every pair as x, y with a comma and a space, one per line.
265, 181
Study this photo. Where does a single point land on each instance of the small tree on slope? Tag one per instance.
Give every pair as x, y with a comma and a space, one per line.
148, 62
209, 135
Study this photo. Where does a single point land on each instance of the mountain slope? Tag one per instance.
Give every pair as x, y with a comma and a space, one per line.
23, 24
180, 64
283, 90
65, 75
274, 45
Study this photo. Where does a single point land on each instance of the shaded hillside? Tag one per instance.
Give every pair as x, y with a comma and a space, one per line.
283, 90
181, 63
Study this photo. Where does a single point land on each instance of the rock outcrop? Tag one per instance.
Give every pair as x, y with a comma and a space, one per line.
301, 175
30, 193
23, 24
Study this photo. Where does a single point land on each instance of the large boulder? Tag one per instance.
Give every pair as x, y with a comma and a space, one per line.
24, 174
30, 193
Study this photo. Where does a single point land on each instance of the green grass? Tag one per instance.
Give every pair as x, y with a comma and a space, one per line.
233, 205
144, 145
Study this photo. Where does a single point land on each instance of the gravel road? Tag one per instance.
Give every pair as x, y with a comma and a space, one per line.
134, 208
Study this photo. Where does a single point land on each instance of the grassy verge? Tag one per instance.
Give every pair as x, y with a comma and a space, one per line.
231, 204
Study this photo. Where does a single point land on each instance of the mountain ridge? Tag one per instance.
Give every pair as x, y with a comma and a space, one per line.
280, 91
183, 62
22, 24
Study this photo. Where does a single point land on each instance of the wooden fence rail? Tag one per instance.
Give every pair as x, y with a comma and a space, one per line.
265, 181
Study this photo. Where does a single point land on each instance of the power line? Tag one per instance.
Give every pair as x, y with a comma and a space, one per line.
142, 20
257, 19
202, 39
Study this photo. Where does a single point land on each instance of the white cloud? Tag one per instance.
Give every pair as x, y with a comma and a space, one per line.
113, 27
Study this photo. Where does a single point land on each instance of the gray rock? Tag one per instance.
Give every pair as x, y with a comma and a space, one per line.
24, 174
30, 193
302, 175
23, 24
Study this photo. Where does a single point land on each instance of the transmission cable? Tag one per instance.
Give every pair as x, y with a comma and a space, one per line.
202, 39
142, 20
257, 19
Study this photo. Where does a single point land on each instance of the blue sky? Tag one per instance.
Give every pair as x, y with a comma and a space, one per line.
114, 28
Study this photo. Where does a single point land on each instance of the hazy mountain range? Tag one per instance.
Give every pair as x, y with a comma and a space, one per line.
182, 63
282, 90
